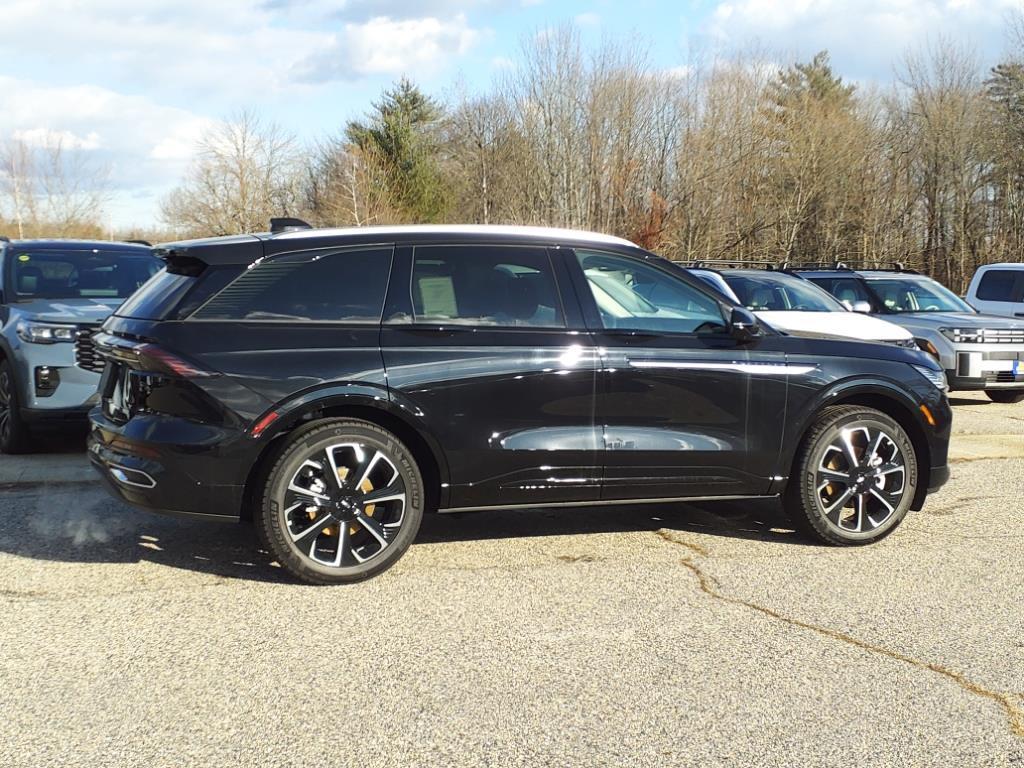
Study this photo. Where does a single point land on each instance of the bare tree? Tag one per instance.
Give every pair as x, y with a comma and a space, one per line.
51, 189
245, 172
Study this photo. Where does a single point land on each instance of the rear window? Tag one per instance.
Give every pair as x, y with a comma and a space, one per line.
157, 297
344, 286
79, 273
1002, 285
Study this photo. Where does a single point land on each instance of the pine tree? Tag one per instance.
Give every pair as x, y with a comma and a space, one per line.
400, 136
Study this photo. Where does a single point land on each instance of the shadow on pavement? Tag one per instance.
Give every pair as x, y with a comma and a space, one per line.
79, 523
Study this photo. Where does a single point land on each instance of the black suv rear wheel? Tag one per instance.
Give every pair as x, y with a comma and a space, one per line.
1005, 395
14, 433
854, 478
342, 503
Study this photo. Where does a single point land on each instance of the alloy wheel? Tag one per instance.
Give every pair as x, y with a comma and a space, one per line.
345, 504
861, 479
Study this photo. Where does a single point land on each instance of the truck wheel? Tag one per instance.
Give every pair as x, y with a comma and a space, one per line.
854, 478
1005, 395
342, 503
14, 432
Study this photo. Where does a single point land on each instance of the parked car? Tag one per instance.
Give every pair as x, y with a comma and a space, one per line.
338, 384
795, 306
977, 352
53, 295
998, 289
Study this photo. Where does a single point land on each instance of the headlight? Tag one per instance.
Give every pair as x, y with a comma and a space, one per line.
927, 346
906, 343
45, 333
964, 335
938, 378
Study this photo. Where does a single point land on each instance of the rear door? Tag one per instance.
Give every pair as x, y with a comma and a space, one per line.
685, 409
485, 344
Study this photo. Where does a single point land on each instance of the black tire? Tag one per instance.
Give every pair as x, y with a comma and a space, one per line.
14, 432
849, 502
347, 539
1008, 396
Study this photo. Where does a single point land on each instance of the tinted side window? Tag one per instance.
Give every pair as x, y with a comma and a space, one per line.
345, 286
1002, 285
505, 286
637, 296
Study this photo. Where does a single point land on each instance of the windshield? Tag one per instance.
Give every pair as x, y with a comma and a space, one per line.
916, 295
79, 274
774, 293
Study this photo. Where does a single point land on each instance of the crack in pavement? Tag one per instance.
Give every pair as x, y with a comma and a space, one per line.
36, 596
712, 587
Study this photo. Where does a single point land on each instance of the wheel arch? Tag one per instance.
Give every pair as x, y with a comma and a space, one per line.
886, 399
387, 414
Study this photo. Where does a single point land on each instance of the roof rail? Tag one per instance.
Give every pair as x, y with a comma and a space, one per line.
786, 266
140, 242
285, 224
734, 263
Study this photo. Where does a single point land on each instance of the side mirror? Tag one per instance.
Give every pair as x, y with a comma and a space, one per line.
743, 325
861, 306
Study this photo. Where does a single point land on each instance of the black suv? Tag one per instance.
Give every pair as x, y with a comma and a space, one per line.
337, 384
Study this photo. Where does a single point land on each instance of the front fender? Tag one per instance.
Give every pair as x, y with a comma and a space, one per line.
803, 414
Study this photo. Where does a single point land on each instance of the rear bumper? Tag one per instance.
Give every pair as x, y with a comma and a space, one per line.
169, 466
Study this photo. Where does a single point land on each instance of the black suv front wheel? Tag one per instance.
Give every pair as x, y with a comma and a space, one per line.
854, 478
342, 503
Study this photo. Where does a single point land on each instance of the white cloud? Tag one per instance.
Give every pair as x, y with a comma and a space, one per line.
866, 37
47, 137
391, 47
146, 145
588, 19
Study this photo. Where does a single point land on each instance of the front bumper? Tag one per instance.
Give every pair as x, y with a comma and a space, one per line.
76, 392
938, 477
985, 366
170, 465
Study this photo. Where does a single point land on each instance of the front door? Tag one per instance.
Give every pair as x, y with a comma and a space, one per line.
483, 344
686, 409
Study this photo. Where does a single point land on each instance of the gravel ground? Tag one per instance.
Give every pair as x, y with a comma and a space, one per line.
676, 635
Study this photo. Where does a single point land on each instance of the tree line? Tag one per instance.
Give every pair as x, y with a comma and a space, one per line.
738, 159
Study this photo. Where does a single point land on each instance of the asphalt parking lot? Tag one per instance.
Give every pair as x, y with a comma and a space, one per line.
676, 635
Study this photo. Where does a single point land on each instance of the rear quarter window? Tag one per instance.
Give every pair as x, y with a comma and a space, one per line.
1002, 285
343, 286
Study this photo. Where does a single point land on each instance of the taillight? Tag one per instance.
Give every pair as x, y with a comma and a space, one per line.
154, 358
147, 356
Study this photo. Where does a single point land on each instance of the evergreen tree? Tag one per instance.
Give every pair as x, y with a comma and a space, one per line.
400, 137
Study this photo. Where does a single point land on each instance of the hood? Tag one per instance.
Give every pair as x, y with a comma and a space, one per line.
68, 310
953, 320
847, 325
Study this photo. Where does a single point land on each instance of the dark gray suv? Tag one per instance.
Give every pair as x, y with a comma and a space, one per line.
53, 295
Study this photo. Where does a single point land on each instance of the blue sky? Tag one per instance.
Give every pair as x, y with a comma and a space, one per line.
132, 83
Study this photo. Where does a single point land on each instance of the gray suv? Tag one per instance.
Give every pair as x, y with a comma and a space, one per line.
53, 295
977, 351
